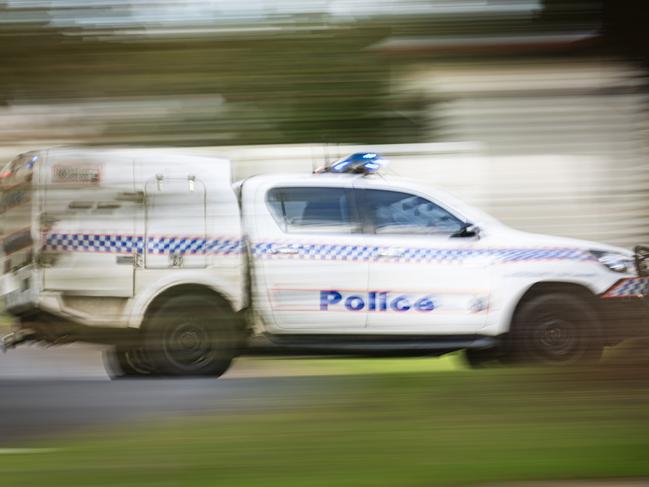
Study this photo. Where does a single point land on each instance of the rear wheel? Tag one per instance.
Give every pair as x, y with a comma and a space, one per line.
555, 329
128, 362
192, 335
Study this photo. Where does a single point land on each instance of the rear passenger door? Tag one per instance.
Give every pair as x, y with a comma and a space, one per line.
310, 267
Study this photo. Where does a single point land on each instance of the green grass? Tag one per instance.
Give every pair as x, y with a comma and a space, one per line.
400, 429
351, 366
635, 352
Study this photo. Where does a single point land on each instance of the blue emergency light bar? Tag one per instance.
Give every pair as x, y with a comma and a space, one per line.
358, 163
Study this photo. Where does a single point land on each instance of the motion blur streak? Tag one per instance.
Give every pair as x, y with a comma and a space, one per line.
550, 95
533, 110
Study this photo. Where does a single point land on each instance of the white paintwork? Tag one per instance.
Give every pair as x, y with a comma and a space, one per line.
286, 288
190, 195
500, 285
194, 199
455, 287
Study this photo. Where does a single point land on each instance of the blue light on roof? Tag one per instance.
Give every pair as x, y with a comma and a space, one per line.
359, 163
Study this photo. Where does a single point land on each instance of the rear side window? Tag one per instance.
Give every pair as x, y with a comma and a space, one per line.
313, 210
393, 212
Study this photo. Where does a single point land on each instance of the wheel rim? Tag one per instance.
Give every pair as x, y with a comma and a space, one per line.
138, 361
557, 339
189, 345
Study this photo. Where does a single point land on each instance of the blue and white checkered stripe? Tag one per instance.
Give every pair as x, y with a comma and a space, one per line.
113, 243
525, 254
452, 256
167, 245
629, 288
72, 242
316, 251
224, 246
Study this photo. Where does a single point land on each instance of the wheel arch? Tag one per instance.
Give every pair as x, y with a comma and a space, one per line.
556, 287
155, 301
185, 290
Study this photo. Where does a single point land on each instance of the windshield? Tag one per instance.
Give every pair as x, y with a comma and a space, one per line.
471, 213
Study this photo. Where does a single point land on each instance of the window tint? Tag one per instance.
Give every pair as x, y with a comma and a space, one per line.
322, 210
396, 212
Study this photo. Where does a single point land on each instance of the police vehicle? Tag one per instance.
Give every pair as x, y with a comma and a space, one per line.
160, 256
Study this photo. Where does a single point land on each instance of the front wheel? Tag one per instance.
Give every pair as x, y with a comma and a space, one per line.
192, 336
555, 329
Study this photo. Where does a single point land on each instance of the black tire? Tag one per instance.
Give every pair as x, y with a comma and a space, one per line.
192, 336
483, 357
555, 329
131, 362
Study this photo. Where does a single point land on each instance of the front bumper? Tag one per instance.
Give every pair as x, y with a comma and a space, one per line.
624, 309
629, 287
624, 318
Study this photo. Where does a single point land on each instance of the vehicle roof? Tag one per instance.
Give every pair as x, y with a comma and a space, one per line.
377, 180
143, 153
117, 164
322, 178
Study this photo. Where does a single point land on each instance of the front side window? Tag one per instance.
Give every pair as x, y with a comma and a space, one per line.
394, 212
312, 209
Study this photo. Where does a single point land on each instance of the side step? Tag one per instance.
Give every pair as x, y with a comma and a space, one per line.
366, 345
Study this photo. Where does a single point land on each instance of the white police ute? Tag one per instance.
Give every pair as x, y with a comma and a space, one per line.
160, 256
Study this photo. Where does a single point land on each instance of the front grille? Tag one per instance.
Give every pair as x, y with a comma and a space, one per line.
642, 260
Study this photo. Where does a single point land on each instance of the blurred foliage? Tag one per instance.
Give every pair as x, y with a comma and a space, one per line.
308, 80
302, 87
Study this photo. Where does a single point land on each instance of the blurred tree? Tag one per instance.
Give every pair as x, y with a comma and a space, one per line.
296, 87
308, 80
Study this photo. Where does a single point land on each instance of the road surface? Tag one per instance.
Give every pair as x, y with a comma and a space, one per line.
62, 390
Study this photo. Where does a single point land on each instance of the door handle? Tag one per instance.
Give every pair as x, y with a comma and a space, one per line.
391, 253
125, 259
285, 250
134, 260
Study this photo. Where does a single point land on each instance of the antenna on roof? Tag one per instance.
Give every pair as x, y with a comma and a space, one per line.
320, 169
326, 148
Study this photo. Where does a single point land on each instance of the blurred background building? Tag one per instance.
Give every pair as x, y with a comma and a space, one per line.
534, 110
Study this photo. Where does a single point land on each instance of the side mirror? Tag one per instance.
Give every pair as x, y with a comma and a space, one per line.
467, 230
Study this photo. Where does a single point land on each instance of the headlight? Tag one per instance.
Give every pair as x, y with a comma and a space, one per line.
615, 262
